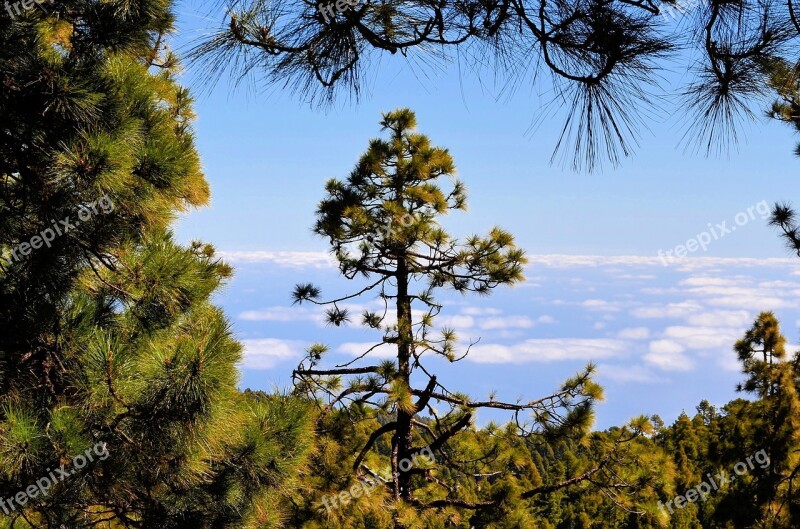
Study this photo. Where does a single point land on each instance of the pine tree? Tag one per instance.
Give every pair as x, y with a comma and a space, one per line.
382, 223
601, 57
773, 425
784, 80
109, 340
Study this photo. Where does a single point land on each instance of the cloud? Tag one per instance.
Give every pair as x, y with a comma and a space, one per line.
670, 362
702, 338
299, 259
384, 350
547, 350
634, 333
751, 298
779, 284
701, 281
514, 322
668, 355
626, 373
602, 305
457, 321
659, 291
705, 303
390, 317
666, 347
721, 318
739, 291
670, 310
686, 264
475, 317
266, 353
480, 311
283, 314
283, 259
692, 264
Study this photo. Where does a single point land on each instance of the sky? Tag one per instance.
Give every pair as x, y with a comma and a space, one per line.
600, 286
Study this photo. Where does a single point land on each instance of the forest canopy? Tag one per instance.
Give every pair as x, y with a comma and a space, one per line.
121, 398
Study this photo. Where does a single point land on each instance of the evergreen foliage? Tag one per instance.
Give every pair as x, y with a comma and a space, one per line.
604, 60
383, 228
108, 333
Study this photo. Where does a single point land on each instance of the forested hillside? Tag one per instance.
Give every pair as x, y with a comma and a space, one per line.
121, 401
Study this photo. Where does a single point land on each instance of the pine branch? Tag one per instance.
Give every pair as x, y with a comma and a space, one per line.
450, 432
426, 395
344, 371
546, 489
386, 428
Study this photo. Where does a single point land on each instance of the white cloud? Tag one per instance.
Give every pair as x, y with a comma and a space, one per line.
705, 281
741, 291
456, 322
702, 338
582, 261
390, 318
721, 318
671, 362
266, 353
659, 291
300, 259
384, 350
706, 298
668, 355
283, 314
626, 373
507, 322
313, 314
665, 347
751, 298
670, 310
547, 350
284, 259
634, 333
685, 264
472, 317
779, 284
602, 305
480, 311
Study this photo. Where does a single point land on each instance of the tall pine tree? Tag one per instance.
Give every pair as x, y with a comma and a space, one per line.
108, 335
382, 224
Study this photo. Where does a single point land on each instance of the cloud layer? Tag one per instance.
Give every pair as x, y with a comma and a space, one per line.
641, 321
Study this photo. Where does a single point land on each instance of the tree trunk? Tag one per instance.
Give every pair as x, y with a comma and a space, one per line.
402, 441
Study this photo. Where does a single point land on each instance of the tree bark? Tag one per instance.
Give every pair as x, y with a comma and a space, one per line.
402, 442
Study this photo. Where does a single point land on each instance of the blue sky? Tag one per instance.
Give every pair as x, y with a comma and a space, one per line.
596, 288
